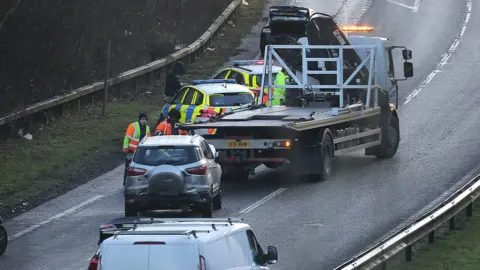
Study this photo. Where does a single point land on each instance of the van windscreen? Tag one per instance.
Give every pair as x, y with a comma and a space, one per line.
165, 257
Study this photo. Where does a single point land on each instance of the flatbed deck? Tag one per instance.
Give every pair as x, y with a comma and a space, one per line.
318, 114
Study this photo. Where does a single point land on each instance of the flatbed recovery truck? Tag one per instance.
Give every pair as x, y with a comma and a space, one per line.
357, 73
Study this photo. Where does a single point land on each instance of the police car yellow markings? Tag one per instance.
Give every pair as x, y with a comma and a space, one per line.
190, 111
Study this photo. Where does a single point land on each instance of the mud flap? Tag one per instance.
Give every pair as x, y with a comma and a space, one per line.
385, 115
306, 160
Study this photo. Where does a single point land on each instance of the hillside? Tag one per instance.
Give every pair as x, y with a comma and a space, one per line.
49, 47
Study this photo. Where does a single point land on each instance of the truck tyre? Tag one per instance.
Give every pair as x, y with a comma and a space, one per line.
3, 239
217, 200
388, 149
325, 158
131, 210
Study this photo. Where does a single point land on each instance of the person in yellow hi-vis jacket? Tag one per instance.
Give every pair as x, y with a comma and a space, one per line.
136, 131
278, 95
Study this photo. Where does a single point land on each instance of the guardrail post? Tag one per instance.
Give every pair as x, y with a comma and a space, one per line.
431, 237
408, 253
469, 210
451, 223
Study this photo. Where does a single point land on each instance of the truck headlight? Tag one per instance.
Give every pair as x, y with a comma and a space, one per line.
267, 30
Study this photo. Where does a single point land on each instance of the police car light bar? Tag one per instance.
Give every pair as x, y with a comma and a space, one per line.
356, 28
195, 82
247, 62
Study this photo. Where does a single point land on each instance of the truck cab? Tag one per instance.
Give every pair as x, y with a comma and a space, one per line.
384, 75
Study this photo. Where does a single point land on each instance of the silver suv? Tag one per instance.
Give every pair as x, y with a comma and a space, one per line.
175, 174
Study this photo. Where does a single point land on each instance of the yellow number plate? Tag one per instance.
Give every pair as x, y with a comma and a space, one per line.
234, 144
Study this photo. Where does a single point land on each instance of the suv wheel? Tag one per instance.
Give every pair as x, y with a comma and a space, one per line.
217, 200
207, 209
131, 210
3, 239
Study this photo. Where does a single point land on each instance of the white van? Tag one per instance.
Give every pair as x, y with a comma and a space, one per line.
185, 244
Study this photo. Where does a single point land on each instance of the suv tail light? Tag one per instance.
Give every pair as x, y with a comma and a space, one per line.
203, 265
94, 262
132, 171
200, 170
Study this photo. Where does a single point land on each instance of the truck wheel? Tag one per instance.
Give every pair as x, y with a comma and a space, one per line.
131, 210
217, 200
3, 239
389, 149
326, 160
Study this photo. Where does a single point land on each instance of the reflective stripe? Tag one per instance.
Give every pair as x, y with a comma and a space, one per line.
132, 145
189, 113
130, 137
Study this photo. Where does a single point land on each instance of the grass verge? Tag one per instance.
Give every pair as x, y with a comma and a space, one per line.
453, 250
83, 145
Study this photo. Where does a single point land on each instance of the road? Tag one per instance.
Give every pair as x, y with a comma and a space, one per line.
318, 226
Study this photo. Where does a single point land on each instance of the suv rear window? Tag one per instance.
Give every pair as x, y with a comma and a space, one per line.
230, 99
259, 79
172, 155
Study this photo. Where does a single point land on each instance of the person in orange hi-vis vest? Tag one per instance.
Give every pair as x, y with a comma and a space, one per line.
136, 131
167, 127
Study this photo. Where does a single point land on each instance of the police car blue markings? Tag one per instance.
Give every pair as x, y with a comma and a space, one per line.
190, 111
178, 107
165, 111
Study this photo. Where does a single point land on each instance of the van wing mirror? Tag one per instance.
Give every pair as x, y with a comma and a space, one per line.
407, 54
272, 255
407, 69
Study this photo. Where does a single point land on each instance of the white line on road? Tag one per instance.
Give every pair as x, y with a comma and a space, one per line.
59, 215
414, 8
262, 201
416, 5
446, 55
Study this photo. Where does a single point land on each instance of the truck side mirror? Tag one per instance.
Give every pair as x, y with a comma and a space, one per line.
407, 54
407, 69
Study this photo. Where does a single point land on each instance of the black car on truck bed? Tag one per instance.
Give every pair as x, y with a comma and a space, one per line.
285, 24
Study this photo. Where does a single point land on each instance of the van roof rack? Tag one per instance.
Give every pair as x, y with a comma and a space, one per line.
180, 232
206, 220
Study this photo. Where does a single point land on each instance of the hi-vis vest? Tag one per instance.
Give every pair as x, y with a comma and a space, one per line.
132, 136
278, 94
165, 128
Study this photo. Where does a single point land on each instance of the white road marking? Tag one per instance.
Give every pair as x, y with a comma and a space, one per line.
262, 201
446, 55
416, 5
59, 215
414, 8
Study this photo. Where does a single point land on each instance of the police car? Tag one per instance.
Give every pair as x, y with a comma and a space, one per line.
205, 98
248, 73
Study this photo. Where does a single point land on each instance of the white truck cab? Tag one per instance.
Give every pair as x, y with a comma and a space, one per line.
385, 65
185, 244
